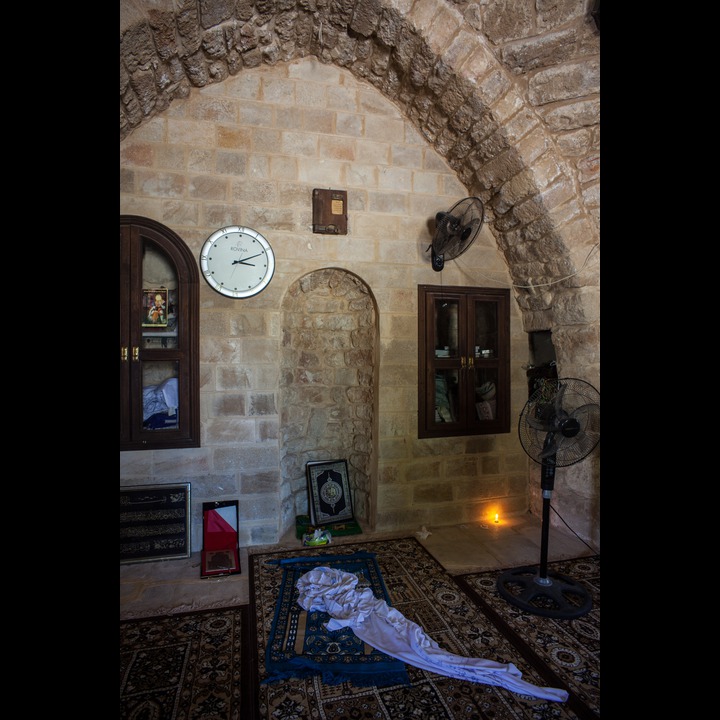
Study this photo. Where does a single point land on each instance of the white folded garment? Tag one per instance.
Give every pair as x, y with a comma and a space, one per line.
383, 627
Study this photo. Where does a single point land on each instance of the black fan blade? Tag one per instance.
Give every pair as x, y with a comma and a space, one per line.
543, 425
584, 443
586, 412
447, 220
541, 416
550, 450
569, 449
446, 232
576, 439
469, 229
459, 239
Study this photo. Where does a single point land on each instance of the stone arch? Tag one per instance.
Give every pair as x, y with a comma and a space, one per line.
434, 63
328, 386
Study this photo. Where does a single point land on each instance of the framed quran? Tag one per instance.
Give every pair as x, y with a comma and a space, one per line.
329, 496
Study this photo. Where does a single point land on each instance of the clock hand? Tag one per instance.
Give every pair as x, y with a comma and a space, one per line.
244, 261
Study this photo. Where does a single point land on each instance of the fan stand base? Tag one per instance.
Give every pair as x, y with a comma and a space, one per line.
550, 595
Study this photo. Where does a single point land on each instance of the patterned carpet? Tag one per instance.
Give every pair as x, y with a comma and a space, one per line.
455, 615
568, 648
210, 665
186, 667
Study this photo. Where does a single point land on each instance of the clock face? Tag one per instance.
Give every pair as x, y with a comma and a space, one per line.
237, 261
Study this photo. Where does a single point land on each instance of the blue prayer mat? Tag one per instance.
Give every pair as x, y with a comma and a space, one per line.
300, 645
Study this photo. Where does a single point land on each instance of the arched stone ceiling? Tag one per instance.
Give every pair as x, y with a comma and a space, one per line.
465, 76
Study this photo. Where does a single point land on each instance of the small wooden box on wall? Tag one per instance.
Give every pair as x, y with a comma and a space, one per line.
330, 211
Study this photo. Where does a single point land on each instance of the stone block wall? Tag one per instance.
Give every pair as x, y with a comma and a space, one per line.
249, 151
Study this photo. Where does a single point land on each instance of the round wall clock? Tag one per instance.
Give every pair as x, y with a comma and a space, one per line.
237, 261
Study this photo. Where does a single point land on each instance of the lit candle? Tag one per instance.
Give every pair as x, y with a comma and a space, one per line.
496, 518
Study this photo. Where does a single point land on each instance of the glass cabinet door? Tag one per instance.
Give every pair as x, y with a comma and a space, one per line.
158, 315
484, 333
446, 348
158, 338
447, 325
159, 332
446, 396
485, 329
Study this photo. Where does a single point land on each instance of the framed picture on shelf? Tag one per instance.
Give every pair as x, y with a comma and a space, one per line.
329, 496
155, 307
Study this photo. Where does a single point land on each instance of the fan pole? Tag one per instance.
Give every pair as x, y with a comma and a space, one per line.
533, 589
547, 484
542, 578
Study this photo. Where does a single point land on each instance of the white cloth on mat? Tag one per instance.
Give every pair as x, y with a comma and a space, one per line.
385, 628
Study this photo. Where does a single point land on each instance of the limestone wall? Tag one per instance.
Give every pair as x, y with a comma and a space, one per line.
499, 100
250, 151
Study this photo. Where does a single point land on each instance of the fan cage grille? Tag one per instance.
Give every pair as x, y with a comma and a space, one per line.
456, 229
561, 419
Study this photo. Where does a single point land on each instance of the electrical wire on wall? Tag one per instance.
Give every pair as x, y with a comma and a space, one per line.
531, 285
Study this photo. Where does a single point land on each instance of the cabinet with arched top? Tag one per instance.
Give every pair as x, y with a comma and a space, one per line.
159, 338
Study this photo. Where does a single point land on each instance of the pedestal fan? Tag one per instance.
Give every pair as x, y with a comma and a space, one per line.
559, 426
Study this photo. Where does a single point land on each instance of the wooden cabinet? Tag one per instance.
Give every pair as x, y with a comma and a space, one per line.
463, 361
159, 338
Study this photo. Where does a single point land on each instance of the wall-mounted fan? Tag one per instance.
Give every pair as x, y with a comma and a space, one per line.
455, 230
559, 426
